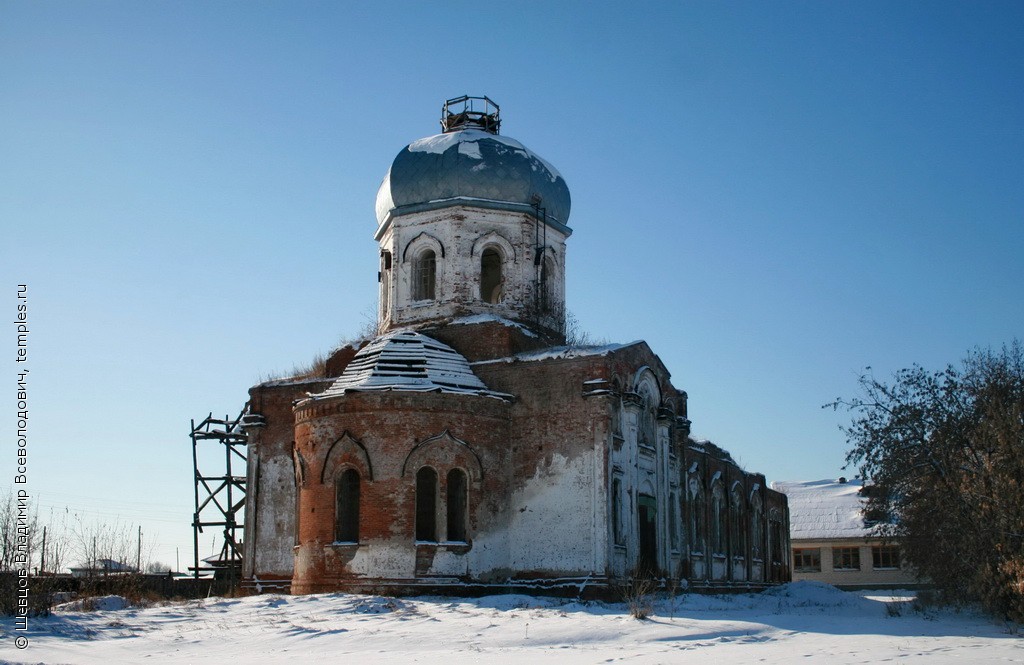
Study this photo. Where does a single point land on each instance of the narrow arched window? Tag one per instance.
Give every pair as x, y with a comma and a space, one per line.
673, 521
756, 527
490, 276
617, 511
737, 523
718, 518
775, 536
424, 276
347, 516
697, 509
648, 430
457, 505
426, 504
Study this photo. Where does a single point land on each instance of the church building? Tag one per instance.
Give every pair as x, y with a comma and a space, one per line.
468, 446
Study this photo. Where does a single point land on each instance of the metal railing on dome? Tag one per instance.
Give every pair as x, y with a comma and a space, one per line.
466, 111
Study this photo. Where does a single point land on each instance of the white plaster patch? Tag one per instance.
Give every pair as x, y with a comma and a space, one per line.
275, 528
380, 558
550, 529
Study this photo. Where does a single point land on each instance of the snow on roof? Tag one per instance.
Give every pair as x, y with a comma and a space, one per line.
292, 381
409, 361
488, 318
468, 142
560, 352
821, 509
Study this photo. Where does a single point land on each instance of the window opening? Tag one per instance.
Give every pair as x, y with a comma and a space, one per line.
697, 510
846, 558
490, 276
737, 523
718, 518
617, 511
807, 560
673, 521
424, 276
757, 527
775, 537
885, 557
457, 505
426, 504
347, 492
647, 433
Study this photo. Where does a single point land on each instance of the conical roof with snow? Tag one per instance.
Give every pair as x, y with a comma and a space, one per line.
411, 361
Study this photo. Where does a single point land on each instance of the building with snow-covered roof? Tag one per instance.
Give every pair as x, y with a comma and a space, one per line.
834, 542
467, 444
101, 567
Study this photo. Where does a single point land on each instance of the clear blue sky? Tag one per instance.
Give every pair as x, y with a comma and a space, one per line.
773, 195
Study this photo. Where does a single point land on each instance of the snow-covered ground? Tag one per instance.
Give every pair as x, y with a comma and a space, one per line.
800, 622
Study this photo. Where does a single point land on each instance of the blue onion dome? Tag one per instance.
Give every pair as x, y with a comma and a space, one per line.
469, 163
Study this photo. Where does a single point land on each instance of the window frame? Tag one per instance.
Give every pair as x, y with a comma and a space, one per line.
880, 552
841, 556
810, 564
424, 276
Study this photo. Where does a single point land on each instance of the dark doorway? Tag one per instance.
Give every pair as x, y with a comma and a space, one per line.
647, 510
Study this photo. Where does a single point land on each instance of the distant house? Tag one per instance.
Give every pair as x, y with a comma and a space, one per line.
833, 543
102, 567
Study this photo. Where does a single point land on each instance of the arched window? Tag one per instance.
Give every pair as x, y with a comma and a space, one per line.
697, 509
490, 276
426, 504
756, 526
673, 521
718, 518
647, 431
737, 523
457, 505
775, 536
617, 511
346, 529
424, 275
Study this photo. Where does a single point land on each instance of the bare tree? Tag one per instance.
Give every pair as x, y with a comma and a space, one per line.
945, 451
12, 531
